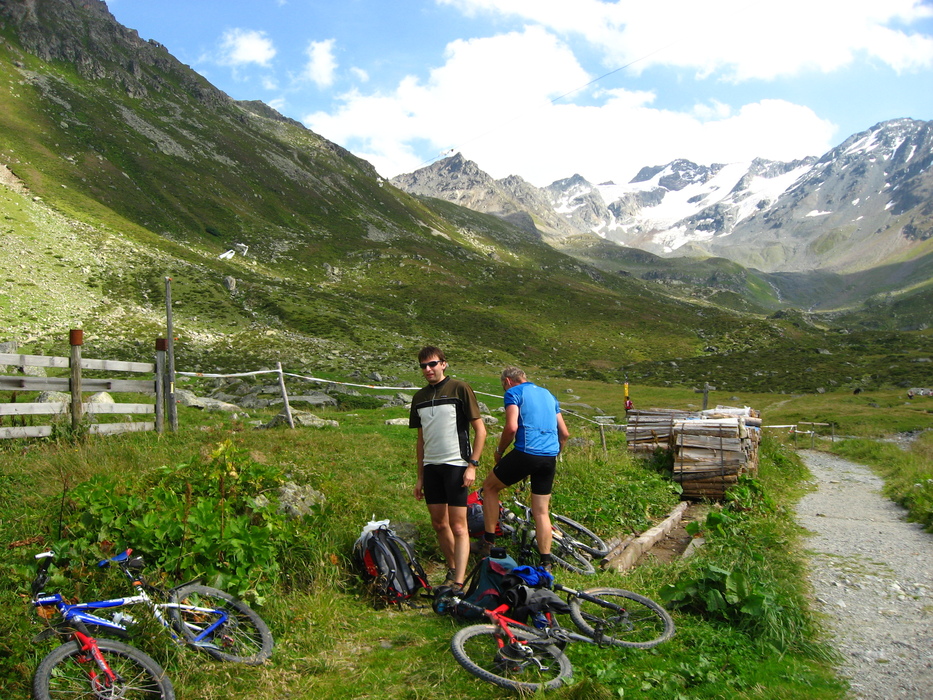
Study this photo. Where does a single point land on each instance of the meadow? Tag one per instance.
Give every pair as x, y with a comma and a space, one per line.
745, 627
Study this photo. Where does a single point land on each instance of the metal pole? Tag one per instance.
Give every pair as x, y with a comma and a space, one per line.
288, 409
171, 406
76, 338
160, 345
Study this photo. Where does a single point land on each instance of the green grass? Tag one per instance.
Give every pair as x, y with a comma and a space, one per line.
326, 628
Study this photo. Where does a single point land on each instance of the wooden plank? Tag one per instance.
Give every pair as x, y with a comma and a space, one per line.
117, 366
63, 384
28, 431
116, 428
64, 363
33, 360
47, 409
733, 444
706, 478
120, 408
698, 454
701, 468
32, 409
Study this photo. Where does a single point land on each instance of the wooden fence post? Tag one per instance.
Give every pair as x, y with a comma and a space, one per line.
160, 346
76, 338
171, 406
288, 409
602, 435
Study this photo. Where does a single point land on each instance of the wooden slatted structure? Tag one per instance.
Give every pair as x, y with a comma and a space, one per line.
653, 429
710, 449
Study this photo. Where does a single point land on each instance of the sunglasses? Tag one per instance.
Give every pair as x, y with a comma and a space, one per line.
432, 363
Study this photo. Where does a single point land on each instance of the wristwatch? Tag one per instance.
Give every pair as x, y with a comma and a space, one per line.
474, 462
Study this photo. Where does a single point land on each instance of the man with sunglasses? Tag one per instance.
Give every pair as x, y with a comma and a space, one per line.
443, 412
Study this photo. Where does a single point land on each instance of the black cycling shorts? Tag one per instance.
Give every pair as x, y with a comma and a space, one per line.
517, 465
443, 483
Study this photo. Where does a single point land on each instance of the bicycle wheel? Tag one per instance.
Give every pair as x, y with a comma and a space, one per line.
537, 664
69, 672
243, 637
582, 537
565, 552
619, 617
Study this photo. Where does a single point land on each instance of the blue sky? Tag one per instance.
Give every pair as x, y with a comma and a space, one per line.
545, 89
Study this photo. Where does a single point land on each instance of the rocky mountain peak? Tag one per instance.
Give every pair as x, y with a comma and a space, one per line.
85, 34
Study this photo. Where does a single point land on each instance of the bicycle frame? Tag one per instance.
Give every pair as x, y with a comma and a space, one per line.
552, 633
81, 613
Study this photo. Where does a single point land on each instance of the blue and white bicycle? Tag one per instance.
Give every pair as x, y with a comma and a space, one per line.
205, 618
86, 667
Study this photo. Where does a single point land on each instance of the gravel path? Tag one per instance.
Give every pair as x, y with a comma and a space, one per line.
872, 574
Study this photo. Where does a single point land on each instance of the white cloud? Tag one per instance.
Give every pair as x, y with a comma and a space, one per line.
321, 65
735, 39
360, 74
243, 46
494, 100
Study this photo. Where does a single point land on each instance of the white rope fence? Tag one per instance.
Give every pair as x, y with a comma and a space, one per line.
282, 374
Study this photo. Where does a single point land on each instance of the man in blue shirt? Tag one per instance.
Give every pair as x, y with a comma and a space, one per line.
533, 420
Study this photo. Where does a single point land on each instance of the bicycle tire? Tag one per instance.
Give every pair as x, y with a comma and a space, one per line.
582, 537
244, 638
62, 674
484, 652
641, 623
563, 551
571, 558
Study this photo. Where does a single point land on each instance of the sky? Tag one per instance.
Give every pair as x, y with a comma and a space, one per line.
546, 89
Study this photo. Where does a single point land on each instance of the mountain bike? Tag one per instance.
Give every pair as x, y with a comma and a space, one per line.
85, 667
512, 654
202, 617
573, 546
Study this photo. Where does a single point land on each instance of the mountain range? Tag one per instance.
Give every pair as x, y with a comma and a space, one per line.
866, 204
125, 175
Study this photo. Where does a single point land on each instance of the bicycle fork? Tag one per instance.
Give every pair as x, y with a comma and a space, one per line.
107, 678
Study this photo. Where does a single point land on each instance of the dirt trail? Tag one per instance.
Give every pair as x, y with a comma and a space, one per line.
872, 574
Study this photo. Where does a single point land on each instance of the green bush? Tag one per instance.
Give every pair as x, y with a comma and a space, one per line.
217, 520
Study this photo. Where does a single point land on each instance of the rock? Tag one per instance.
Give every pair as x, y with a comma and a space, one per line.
296, 501
230, 283
399, 399
303, 418
490, 420
100, 397
188, 398
397, 421
316, 398
53, 397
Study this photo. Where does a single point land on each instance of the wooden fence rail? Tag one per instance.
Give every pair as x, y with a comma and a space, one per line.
76, 385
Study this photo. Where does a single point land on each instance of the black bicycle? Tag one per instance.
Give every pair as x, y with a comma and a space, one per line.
573, 546
513, 654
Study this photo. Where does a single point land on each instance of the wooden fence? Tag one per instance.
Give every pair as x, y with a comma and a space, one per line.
76, 385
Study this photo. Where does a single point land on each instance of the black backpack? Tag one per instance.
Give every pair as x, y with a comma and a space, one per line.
388, 565
485, 588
